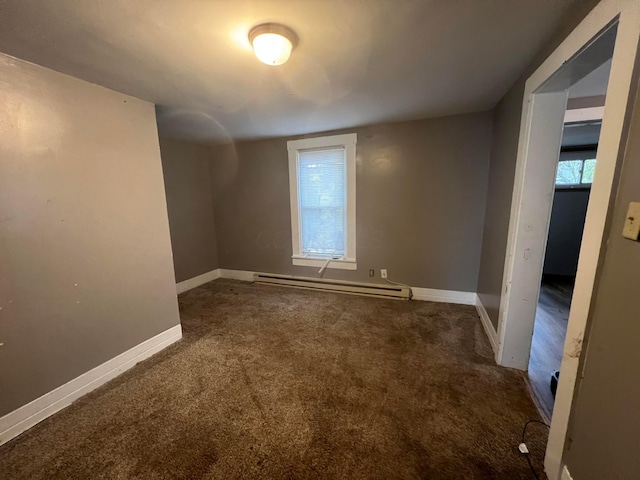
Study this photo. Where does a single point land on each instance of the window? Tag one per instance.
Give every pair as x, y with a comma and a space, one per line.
575, 169
322, 182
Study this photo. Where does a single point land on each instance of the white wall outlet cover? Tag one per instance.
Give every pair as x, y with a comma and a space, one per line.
631, 228
383, 272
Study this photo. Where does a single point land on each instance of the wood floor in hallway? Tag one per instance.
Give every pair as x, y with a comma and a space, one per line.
549, 333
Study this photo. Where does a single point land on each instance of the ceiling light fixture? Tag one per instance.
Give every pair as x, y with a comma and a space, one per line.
272, 42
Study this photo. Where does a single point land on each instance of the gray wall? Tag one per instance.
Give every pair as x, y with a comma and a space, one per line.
565, 231
85, 254
190, 205
501, 174
503, 160
606, 420
580, 135
420, 187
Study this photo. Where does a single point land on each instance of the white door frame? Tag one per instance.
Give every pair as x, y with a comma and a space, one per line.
530, 214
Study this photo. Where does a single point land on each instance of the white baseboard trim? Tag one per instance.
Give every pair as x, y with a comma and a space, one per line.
444, 296
237, 274
565, 474
25, 417
197, 281
488, 326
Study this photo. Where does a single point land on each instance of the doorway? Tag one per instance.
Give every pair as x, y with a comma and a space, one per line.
610, 31
574, 177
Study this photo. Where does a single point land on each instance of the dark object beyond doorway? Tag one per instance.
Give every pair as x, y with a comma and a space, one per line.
555, 378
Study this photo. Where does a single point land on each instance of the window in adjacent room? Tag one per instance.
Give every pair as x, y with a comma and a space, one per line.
576, 169
322, 181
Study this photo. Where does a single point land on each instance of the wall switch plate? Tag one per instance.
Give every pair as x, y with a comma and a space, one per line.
372, 272
632, 222
383, 272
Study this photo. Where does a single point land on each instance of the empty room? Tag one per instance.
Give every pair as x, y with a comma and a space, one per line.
312, 239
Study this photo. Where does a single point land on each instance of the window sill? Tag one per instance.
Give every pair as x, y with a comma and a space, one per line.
581, 186
340, 264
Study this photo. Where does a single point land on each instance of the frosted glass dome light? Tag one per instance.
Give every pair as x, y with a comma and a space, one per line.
272, 43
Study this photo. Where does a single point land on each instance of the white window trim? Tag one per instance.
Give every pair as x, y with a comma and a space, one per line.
348, 142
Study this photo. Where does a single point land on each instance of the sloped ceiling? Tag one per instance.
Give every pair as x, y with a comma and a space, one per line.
358, 61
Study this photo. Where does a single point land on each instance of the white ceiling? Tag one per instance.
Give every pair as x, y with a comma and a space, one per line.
358, 61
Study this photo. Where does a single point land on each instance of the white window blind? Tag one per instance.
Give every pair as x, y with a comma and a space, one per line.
322, 200
322, 183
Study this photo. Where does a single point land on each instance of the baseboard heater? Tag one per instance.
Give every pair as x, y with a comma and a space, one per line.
339, 286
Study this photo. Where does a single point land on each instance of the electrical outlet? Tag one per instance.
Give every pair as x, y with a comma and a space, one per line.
372, 272
383, 272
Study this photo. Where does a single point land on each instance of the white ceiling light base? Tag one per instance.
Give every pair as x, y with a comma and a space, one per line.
272, 43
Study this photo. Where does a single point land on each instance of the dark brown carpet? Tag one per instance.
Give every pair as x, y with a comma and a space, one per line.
280, 383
